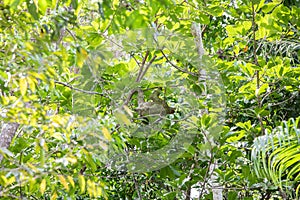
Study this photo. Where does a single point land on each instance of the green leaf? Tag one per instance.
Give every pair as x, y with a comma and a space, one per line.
81, 181
74, 4
32, 9
122, 117
216, 10
232, 195
14, 4
203, 19
42, 4
81, 56
64, 182
262, 89
43, 186
197, 89
268, 7
23, 86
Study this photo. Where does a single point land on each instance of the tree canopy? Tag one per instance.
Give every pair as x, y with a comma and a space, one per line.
149, 99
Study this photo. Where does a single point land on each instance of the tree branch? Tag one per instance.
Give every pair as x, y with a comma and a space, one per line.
142, 67
147, 67
78, 89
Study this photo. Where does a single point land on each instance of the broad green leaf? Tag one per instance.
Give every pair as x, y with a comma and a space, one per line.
203, 19
51, 71
4, 179
231, 30
29, 46
6, 2
74, 4
11, 180
216, 10
40, 76
90, 161
269, 6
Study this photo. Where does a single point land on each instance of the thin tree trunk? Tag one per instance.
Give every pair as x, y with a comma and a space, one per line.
8, 132
197, 33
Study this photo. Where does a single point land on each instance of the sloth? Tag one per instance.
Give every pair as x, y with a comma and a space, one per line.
156, 107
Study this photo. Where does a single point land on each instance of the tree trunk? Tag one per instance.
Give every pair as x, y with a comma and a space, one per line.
8, 132
197, 33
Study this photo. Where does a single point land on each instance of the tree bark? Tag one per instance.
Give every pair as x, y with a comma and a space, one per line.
8, 132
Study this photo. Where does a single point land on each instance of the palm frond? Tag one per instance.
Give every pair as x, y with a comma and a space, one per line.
276, 157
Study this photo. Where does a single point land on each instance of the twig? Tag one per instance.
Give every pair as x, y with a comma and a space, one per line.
78, 89
291, 97
137, 62
73, 36
110, 22
176, 67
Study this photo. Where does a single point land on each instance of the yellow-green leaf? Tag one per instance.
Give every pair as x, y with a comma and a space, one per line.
71, 181
81, 183
54, 196
53, 5
14, 4
91, 188
98, 191
23, 86
51, 71
43, 186
39, 76
42, 4
31, 82
4, 179
122, 117
127, 109
81, 55
63, 182
106, 134
11, 180
29, 46
262, 89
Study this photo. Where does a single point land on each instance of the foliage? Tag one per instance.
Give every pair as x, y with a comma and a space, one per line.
57, 83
